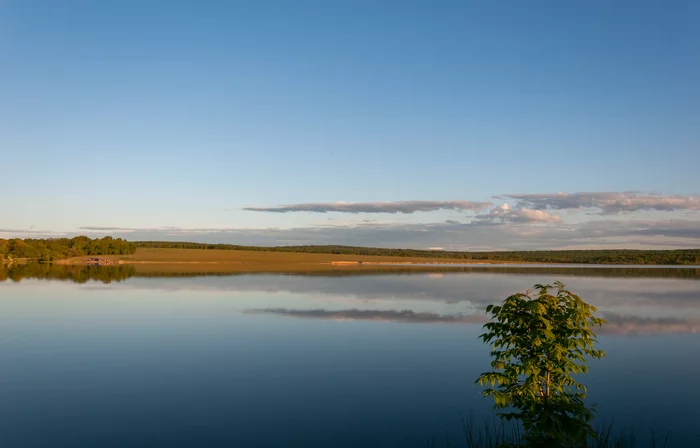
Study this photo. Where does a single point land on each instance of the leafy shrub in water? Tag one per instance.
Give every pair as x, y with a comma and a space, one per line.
539, 342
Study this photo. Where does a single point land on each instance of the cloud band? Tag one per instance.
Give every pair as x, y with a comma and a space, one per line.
405, 207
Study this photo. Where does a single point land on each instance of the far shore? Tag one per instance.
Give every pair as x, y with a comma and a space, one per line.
248, 259
160, 260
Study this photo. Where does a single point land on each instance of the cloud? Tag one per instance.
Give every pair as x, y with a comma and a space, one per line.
532, 223
109, 228
168, 229
637, 234
405, 207
505, 215
519, 234
404, 316
29, 231
609, 203
675, 228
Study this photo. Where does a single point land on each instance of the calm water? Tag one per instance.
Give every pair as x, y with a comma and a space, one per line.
385, 360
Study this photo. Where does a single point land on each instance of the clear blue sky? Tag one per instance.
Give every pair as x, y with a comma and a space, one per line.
149, 114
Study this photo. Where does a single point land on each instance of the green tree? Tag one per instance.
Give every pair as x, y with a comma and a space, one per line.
539, 341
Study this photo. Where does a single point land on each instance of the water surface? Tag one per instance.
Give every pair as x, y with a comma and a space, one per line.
114, 357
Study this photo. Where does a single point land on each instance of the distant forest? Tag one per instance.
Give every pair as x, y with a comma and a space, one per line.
46, 250
608, 256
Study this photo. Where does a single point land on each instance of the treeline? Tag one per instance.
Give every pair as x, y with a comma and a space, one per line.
608, 256
46, 250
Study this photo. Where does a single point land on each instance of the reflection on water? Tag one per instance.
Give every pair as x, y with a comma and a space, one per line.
106, 274
125, 356
406, 316
633, 300
74, 273
616, 325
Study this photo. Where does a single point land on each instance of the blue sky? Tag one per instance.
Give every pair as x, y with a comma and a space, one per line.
131, 117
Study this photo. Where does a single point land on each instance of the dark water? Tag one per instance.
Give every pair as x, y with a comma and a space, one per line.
110, 358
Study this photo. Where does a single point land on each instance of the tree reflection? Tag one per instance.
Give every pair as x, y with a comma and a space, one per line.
73, 273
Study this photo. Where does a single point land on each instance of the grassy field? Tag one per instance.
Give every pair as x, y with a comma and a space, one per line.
193, 260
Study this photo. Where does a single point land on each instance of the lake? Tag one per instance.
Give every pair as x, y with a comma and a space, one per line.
111, 357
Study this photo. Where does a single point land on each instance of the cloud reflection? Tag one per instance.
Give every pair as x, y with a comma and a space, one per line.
403, 316
631, 325
617, 325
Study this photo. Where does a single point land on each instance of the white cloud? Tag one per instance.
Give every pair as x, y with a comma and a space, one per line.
505, 215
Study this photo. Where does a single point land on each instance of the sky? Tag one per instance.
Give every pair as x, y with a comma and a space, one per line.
424, 124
